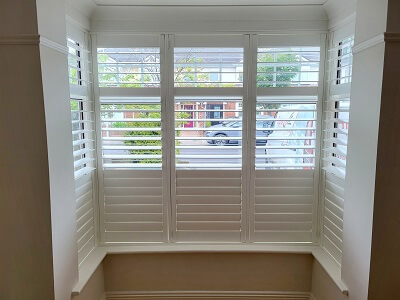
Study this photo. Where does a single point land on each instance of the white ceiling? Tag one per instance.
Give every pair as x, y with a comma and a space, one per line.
208, 2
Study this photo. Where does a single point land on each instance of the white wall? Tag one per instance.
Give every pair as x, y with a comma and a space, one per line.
362, 148
208, 19
52, 26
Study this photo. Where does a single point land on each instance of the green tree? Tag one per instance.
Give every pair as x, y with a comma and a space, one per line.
276, 75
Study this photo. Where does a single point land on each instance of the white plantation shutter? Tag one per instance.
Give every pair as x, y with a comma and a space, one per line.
133, 206
337, 107
85, 216
208, 205
132, 145
83, 136
284, 139
333, 216
206, 176
336, 117
284, 205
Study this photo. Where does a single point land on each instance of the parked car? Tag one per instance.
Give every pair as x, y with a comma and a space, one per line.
285, 145
234, 129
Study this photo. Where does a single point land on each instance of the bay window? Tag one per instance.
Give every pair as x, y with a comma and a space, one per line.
208, 138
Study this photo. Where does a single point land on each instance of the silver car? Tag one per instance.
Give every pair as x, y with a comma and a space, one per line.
221, 133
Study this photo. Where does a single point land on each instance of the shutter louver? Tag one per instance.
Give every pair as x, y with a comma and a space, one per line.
284, 206
333, 216
84, 216
208, 205
133, 206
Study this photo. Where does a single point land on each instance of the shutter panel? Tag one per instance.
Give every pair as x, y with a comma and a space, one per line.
133, 206
333, 216
336, 124
285, 139
284, 206
83, 136
207, 176
208, 205
131, 141
85, 216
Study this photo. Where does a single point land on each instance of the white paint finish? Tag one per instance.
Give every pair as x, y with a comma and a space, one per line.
62, 194
360, 177
322, 286
94, 289
51, 20
208, 19
204, 14
371, 19
209, 2
338, 10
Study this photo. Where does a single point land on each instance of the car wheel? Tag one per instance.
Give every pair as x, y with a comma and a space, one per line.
220, 142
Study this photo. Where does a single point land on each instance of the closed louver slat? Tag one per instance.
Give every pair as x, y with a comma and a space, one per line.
208, 205
133, 206
284, 206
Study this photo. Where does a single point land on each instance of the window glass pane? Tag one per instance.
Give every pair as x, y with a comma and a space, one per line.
286, 67
82, 133
208, 67
131, 134
345, 61
129, 67
285, 134
74, 62
208, 133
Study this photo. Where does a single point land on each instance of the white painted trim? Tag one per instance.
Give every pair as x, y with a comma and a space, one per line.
87, 269
96, 257
372, 42
31, 39
331, 267
46, 42
208, 294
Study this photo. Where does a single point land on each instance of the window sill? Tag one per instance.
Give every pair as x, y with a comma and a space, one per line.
90, 265
331, 268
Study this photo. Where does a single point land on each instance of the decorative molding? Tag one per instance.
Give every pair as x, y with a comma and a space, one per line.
372, 42
46, 42
31, 39
264, 295
392, 37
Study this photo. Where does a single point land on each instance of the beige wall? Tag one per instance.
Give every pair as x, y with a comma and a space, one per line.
208, 271
94, 288
323, 287
26, 270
